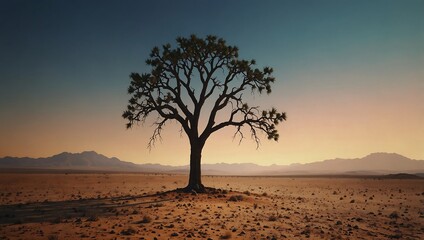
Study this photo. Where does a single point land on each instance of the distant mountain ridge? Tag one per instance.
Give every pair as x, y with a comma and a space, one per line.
372, 164
88, 160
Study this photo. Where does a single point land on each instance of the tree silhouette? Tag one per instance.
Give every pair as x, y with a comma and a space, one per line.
201, 77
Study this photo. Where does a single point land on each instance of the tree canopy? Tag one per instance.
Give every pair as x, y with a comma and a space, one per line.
196, 72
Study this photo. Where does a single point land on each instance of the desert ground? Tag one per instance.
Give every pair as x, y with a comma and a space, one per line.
143, 206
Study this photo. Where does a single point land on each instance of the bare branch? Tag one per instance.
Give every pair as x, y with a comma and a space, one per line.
156, 133
214, 69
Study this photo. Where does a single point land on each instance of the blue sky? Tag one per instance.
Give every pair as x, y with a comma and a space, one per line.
64, 68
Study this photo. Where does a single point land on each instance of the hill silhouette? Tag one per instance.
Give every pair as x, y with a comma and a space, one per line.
88, 160
372, 164
375, 163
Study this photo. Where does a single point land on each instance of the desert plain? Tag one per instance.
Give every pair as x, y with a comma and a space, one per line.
145, 206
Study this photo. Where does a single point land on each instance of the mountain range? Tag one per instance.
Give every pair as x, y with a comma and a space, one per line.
88, 160
372, 164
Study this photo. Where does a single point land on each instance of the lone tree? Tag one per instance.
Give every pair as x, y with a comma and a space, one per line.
201, 77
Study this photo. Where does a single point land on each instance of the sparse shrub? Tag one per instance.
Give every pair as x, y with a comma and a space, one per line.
265, 194
236, 198
129, 231
272, 218
352, 201
255, 205
246, 193
146, 219
227, 235
394, 215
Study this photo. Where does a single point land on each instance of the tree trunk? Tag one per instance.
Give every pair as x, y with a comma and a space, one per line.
195, 181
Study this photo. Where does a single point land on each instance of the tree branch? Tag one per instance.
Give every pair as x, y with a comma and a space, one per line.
176, 73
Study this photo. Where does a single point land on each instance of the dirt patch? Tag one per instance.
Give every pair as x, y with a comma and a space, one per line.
137, 206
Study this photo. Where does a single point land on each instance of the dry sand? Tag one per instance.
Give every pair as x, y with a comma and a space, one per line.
140, 206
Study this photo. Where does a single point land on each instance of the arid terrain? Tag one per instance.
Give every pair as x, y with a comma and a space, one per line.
143, 206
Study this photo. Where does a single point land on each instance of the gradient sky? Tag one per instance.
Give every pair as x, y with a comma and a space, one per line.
350, 75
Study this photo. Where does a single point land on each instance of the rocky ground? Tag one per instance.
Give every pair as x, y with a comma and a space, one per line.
140, 206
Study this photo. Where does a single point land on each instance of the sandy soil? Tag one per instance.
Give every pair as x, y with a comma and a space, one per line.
139, 206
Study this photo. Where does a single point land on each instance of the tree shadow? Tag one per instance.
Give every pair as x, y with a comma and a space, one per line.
91, 208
